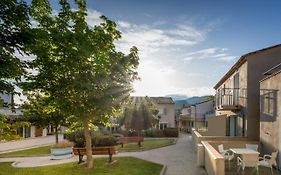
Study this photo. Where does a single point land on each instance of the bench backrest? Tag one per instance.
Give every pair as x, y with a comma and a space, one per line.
95, 151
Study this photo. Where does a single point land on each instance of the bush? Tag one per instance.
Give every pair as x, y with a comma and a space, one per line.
63, 144
171, 132
168, 132
98, 138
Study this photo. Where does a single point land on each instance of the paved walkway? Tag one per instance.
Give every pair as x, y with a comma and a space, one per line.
180, 158
28, 143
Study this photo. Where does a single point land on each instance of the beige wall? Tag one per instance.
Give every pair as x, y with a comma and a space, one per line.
214, 161
250, 73
217, 126
270, 130
169, 116
258, 64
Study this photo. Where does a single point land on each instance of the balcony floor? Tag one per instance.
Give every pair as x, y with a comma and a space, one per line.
248, 171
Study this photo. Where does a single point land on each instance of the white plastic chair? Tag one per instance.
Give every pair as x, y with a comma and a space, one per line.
227, 154
248, 160
268, 160
252, 146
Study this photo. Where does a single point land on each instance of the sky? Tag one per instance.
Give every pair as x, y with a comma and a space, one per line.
186, 46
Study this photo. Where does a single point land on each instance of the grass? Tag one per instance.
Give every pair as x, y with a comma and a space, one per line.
123, 166
30, 152
146, 144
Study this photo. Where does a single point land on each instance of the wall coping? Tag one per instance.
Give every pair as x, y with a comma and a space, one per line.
214, 153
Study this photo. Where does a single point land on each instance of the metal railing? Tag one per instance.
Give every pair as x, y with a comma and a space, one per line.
230, 97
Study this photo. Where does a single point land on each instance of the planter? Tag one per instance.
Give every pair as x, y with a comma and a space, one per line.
61, 153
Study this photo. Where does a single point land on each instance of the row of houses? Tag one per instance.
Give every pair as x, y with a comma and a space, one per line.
165, 105
248, 102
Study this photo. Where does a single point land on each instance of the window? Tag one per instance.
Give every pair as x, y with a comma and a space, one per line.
163, 126
268, 103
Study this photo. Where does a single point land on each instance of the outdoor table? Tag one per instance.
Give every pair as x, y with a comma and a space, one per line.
242, 151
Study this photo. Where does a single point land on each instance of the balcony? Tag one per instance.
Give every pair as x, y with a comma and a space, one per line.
229, 99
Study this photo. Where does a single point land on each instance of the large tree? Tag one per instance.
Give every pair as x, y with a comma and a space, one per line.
15, 36
78, 65
140, 114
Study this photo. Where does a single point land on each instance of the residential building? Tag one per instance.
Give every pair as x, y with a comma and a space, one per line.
238, 95
166, 109
25, 132
196, 116
165, 106
270, 112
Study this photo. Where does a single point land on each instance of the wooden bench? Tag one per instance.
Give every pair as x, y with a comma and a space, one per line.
95, 151
124, 140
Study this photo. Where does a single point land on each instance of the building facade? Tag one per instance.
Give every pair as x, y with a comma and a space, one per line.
166, 107
238, 93
26, 131
270, 113
196, 116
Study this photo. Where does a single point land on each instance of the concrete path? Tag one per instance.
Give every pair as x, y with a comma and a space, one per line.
180, 158
27, 143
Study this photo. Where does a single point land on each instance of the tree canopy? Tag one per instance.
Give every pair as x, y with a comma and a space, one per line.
140, 115
14, 40
77, 66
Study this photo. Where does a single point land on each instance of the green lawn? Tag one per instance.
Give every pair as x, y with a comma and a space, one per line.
123, 166
32, 151
146, 144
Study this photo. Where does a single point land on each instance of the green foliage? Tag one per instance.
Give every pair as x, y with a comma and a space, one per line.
15, 36
43, 111
8, 129
140, 115
78, 65
168, 132
98, 138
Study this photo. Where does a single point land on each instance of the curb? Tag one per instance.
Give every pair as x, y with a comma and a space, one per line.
163, 171
38, 155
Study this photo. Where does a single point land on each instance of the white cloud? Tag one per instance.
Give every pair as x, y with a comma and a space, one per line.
217, 53
124, 24
226, 58
93, 17
149, 39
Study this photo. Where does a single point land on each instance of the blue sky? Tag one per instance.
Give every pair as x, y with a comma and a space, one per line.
187, 46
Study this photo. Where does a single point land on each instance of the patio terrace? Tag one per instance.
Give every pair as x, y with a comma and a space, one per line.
214, 163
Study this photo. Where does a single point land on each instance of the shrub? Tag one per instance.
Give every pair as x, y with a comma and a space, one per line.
171, 132
76, 137
168, 132
63, 144
98, 138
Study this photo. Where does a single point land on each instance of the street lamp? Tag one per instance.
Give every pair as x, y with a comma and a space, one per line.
194, 116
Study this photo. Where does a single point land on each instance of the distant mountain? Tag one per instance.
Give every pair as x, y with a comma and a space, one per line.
181, 100
180, 103
177, 97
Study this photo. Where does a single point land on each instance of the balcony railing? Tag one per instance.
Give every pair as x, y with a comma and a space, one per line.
230, 98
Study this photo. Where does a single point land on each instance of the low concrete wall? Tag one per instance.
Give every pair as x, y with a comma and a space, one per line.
233, 144
198, 138
214, 161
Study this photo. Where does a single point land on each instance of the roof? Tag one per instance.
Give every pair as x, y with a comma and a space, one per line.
241, 61
162, 100
205, 101
158, 100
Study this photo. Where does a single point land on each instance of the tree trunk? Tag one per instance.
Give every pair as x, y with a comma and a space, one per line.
88, 139
56, 133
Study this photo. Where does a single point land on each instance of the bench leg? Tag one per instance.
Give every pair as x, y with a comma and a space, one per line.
122, 145
80, 159
139, 143
110, 158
